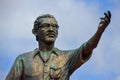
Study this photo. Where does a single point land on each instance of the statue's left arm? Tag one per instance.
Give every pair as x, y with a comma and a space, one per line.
83, 53
93, 41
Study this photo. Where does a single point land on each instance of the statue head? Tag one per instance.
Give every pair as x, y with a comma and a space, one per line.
46, 29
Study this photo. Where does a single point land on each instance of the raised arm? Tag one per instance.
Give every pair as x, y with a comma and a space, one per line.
93, 41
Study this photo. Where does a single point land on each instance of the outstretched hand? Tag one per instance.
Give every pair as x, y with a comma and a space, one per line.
105, 20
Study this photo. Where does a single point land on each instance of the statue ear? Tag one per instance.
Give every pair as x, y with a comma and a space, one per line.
34, 32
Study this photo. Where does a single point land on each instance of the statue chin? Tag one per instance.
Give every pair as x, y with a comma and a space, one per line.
50, 41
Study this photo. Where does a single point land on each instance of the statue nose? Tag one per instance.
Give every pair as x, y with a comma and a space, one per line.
51, 28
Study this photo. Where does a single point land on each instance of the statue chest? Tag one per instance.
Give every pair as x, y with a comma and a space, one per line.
53, 68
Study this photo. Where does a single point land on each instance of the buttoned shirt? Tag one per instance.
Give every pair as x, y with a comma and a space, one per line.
59, 66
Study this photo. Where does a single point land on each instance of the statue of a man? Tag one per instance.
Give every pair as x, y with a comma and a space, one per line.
48, 62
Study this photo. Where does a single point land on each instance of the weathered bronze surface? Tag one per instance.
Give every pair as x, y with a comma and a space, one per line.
48, 62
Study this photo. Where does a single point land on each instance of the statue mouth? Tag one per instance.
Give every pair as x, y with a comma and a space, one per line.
51, 34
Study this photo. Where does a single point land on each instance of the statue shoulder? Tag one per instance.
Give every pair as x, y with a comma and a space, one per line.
63, 51
25, 55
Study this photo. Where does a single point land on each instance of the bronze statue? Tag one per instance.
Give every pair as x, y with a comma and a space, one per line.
48, 62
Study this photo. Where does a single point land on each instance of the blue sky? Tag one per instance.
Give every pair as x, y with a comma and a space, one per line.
78, 21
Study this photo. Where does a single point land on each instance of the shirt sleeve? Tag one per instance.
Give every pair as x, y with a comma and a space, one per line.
16, 70
78, 58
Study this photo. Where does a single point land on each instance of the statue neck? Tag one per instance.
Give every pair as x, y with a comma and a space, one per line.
45, 47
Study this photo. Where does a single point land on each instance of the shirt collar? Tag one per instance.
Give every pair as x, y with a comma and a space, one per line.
54, 50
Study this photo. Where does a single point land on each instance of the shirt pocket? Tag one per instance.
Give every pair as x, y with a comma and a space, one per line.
55, 72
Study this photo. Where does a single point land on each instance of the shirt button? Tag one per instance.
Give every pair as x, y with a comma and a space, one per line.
46, 68
46, 64
45, 71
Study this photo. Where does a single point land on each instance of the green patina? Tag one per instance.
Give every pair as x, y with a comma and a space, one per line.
49, 63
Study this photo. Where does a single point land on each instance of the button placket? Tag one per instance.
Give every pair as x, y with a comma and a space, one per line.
46, 71
46, 68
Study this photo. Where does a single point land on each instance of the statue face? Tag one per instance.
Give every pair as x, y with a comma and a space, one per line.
48, 30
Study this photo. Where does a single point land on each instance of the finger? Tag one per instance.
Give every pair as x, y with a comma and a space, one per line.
107, 16
109, 13
104, 21
101, 18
